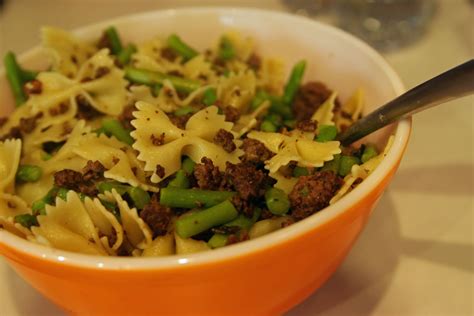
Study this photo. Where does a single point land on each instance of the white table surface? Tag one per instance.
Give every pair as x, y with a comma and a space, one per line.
416, 255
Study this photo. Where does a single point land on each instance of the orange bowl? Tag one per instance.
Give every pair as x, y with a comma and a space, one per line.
265, 276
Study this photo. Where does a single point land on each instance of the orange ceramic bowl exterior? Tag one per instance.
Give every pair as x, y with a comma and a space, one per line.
265, 276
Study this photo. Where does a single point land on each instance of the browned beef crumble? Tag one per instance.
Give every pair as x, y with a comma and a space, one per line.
93, 170
3, 121
104, 42
225, 230
255, 151
168, 54
101, 72
85, 111
175, 73
238, 237
226, 140
243, 206
68, 179
158, 141
231, 114
28, 125
60, 109
157, 216
266, 214
160, 171
126, 117
313, 193
180, 121
308, 99
246, 179
307, 125
208, 176
33, 87
254, 61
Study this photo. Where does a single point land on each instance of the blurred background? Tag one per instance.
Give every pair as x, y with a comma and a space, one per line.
416, 255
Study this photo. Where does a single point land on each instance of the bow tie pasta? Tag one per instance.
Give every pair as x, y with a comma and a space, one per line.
160, 148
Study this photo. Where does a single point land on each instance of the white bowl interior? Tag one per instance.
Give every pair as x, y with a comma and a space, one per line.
334, 57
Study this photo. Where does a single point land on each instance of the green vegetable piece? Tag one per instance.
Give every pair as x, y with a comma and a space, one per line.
278, 106
27, 75
268, 126
185, 110
126, 54
39, 207
217, 241
151, 78
109, 185
111, 207
114, 128
192, 198
226, 49
188, 165
326, 133
62, 194
198, 222
29, 173
332, 165
346, 164
46, 156
26, 220
245, 222
275, 118
369, 153
156, 89
260, 97
114, 40
180, 181
289, 123
14, 75
294, 82
139, 197
277, 201
300, 171
181, 48
209, 97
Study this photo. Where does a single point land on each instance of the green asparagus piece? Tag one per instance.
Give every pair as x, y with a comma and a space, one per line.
26, 220
209, 97
39, 207
268, 126
151, 78
226, 49
260, 97
300, 171
15, 78
192, 198
346, 164
277, 201
188, 165
369, 153
114, 40
245, 222
294, 82
326, 133
109, 185
332, 165
181, 48
185, 110
114, 128
180, 181
126, 54
188, 226
62, 193
217, 241
29, 173
139, 197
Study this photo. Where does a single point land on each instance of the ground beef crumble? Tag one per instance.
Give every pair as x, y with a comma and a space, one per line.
254, 61
157, 216
180, 121
208, 176
33, 87
60, 109
157, 141
85, 111
168, 54
3, 121
231, 114
28, 125
246, 179
160, 171
226, 140
308, 99
255, 151
93, 170
126, 117
243, 206
313, 193
81, 182
307, 125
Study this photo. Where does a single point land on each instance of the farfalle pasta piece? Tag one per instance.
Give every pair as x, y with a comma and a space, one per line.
68, 52
68, 226
352, 108
237, 90
272, 75
249, 121
10, 153
12, 205
298, 147
199, 68
137, 231
161, 246
324, 115
283, 183
98, 81
9, 225
195, 141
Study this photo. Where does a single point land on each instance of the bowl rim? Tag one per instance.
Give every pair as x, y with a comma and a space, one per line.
401, 136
